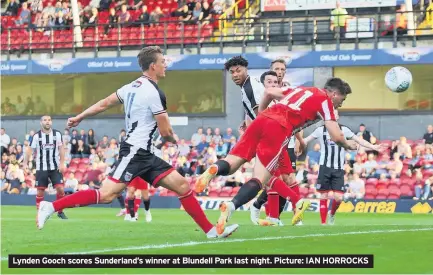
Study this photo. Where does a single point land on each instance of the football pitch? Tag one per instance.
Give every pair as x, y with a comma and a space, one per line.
401, 243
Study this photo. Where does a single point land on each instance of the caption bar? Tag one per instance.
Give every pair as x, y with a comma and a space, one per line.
190, 261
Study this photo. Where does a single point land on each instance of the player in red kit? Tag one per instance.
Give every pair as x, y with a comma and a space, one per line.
268, 136
138, 189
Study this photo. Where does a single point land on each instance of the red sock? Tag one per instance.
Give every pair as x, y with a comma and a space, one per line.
283, 190
295, 189
137, 203
323, 210
273, 204
78, 199
58, 197
334, 207
38, 201
126, 206
192, 207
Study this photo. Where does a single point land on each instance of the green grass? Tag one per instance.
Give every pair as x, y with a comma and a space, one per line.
88, 229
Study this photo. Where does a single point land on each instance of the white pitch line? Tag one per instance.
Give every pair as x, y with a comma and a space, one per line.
162, 246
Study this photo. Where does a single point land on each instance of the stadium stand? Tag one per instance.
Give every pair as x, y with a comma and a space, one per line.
49, 30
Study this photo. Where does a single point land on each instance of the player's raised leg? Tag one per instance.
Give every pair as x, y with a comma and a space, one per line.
106, 194
222, 167
175, 182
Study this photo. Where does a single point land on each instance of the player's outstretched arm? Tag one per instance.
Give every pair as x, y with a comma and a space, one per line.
337, 135
164, 127
269, 95
95, 109
368, 145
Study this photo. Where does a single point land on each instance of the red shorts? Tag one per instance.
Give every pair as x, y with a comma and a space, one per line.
266, 139
284, 164
139, 184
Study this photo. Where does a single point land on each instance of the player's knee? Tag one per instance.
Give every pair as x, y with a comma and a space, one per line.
338, 196
182, 188
107, 197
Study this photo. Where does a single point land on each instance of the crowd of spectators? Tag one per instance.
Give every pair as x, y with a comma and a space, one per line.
43, 15
21, 107
409, 162
89, 158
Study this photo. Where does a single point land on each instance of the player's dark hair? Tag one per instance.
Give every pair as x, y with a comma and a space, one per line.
236, 61
338, 85
263, 76
279, 60
45, 116
147, 56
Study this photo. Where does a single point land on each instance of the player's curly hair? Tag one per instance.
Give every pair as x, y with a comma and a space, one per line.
339, 85
236, 61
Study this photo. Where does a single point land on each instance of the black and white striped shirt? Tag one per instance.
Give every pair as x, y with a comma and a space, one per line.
331, 155
46, 147
142, 100
252, 93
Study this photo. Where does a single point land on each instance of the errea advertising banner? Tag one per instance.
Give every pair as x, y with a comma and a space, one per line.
290, 5
295, 59
352, 206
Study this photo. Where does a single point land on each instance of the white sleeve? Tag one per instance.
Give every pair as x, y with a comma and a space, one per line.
34, 141
121, 94
157, 102
348, 134
59, 139
258, 91
318, 132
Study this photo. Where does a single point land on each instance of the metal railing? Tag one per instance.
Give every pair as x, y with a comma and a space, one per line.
284, 31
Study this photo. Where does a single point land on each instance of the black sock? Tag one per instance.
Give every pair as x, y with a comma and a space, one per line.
261, 200
223, 167
247, 192
121, 201
131, 207
283, 202
146, 204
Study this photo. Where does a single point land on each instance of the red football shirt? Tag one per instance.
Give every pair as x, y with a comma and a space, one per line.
301, 107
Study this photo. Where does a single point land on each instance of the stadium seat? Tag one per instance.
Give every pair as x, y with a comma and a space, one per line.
72, 169
370, 196
75, 161
382, 184
171, 193
395, 181
371, 191
83, 167
85, 161
372, 181
163, 192
406, 190
384, 192
226, 191
79, 176
235, 191
303, 192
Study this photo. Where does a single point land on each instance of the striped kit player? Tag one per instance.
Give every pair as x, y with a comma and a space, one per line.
49, 156
331, 171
